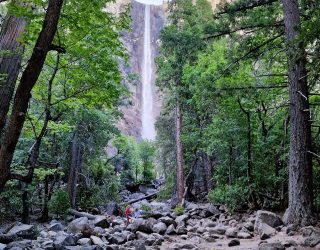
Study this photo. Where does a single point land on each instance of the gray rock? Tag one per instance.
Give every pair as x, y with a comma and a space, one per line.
148, 239
310, 231
269, 218
101, 221
97, 241
181, 230
167, 220
171, 230
23, 244
271, 246
139, 245
118, 238
84, 242
231, 232
181, 220
2, 246
244, 235
249, 225
141, 225
24, 231
47, 245
63, 239
78, 225
218, 230
159, 227
188, 246
265, 231
312, 241
56, 227
233, 243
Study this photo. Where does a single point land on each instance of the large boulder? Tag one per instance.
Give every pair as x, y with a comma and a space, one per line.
23, 244
159, 228
149, 239
24, 231
78, 225
182, 219
268, 218
171, 230
97, 241
231, 232
2, 246
84, 242
118, 238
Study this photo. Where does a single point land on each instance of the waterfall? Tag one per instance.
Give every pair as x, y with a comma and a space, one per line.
147, 117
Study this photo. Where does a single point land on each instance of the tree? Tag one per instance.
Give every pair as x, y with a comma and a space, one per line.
10, 60
300, 164
28, 80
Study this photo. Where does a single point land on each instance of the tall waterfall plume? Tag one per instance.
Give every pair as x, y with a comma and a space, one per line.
148, 120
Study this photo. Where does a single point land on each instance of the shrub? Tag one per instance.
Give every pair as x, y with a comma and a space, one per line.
145, 208
233, 197
178, 209
59, 203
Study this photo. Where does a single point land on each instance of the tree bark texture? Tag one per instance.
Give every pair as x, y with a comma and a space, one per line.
180, 174
300, 162
29, 78
10, 61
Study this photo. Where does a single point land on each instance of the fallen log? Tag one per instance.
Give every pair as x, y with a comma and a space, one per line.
82, 214
147, 197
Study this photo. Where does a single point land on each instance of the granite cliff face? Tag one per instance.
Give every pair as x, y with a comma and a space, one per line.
134, 41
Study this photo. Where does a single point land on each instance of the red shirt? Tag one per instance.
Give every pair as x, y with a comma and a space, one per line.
128, 212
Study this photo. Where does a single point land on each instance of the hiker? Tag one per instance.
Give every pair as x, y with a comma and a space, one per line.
128, 214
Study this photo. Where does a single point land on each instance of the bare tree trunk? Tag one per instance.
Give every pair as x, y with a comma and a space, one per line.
23, 94
25, 216
180, 174
10, 62
300, 208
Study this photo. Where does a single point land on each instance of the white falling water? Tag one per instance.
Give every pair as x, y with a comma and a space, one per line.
148, 120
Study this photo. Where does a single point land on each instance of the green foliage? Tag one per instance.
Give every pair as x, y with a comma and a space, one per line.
146, 208
59, 203
178, 210
10, 200
235, 196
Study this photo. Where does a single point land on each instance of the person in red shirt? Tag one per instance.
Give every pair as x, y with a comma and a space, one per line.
128, 214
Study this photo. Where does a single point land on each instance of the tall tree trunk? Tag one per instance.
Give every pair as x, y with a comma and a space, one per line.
74, 169
180, 174
23, 94
25, 216
11, 29
300, 164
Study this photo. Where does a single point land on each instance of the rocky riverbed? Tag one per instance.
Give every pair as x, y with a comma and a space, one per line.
201, 226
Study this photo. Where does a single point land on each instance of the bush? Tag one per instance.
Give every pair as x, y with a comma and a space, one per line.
145, 208
179, 210
233, 197
10, 201
59, 203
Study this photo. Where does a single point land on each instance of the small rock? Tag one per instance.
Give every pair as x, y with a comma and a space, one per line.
159, 227
271, 246
231, 232
244, 235
56, 227
265, 231
97, 241
102, 221
2, 246
233, 243
249, 225
171, 230
84, 242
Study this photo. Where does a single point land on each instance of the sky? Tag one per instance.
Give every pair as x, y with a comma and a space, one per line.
154, 2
